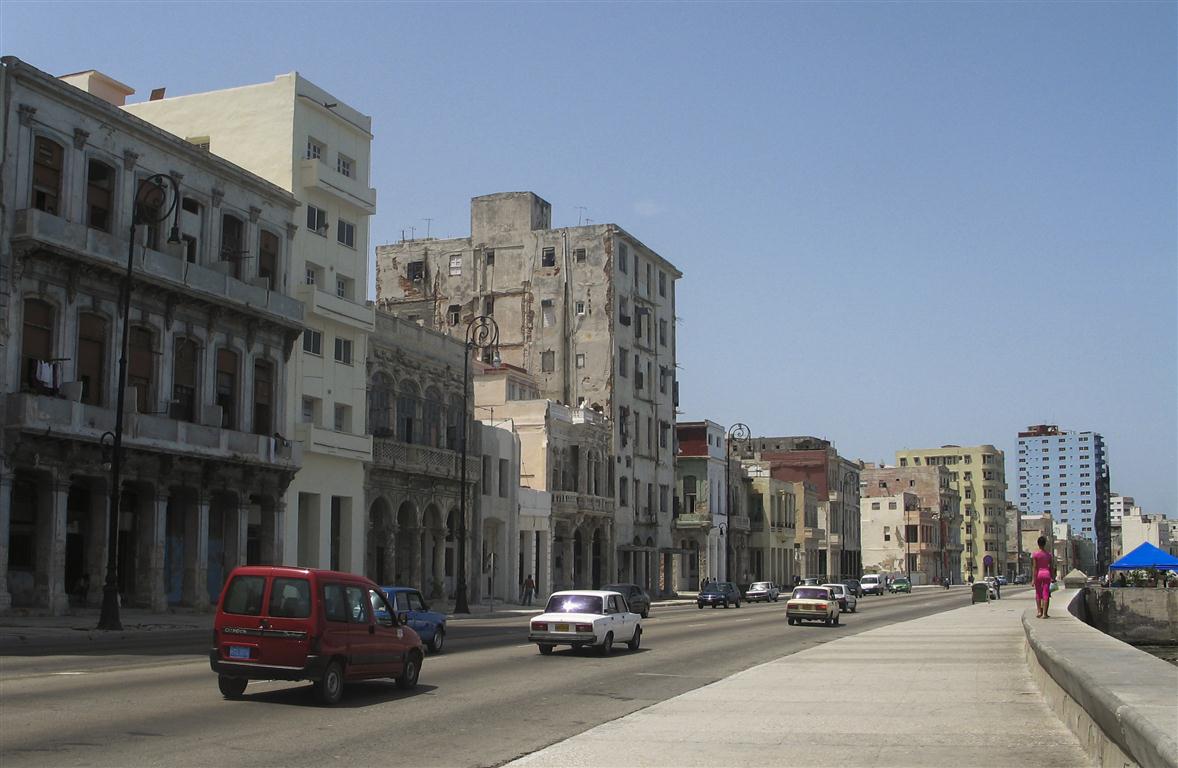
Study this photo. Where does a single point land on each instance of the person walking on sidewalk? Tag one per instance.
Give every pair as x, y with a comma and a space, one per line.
1041, 566
529, 589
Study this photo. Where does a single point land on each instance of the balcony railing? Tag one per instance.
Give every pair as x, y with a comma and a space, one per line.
693, 520
413, 459
739, 522
571, 502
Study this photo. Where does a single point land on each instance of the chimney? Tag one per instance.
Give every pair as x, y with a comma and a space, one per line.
97, 84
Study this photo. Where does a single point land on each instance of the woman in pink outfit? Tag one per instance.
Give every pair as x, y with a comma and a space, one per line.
1041, 567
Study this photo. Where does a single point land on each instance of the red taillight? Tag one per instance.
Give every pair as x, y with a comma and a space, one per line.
584, 627
539, 626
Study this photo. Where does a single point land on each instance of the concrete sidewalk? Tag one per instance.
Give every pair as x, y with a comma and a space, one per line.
951, 689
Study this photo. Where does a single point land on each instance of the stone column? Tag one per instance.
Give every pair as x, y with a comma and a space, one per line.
236, 534
96, 537
5, 526
196, 553
419, 538
154, 533
390, 554
272, 527
49, 576
439, 569
323, 544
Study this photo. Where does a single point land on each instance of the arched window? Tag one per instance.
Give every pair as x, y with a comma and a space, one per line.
232, 248
141, 367
432, 417
380, 406
263, 397
227, 387
185, 371
408, 421
91, 364
47, 164
100, 183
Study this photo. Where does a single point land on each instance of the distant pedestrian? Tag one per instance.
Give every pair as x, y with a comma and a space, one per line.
529, 589
1041, 566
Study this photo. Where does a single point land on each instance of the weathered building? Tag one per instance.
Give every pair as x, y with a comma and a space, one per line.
589, 311
773, 550
810, 532
934, 553
212, 323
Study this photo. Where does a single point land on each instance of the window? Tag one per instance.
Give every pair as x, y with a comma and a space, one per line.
345, 233
47, 164
648, 278
489, 256
232, 230
344, 165
887, 533
662, 283
263, 397
488, 305
579, 254
315, 149
891, 505
341, 288
456, 265
268, 258
623, 257
662, 333
141, 367
91, 368
309, 408
184, 377
623, 491
317, 220
312, 342
343, 350
548, 257
227, 387
548, 312
486, 475
290, 598
343, 418
452, 313
579, 307
580, 359
875, 505
503, 477
548, 361
100, 179
415, 271
623, 362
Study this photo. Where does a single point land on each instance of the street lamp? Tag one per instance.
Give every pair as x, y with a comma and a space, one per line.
738, 432
150, 207
481, 333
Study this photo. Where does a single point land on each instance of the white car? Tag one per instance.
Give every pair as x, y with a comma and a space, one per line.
762, 590
812, 604
847, 600
586, 618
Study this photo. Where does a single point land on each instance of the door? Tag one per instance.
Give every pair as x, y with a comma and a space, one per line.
625, 621
390, 642
419, 618
288, 618
342, 635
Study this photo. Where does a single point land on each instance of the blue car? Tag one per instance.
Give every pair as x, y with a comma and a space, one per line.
412, 609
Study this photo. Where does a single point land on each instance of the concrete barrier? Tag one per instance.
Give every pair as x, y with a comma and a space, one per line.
1119, 701
1144, 616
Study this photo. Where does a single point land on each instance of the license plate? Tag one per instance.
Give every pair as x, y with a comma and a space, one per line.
239, 652
562, 627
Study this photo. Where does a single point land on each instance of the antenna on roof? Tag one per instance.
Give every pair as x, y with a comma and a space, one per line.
580, 215
427, 221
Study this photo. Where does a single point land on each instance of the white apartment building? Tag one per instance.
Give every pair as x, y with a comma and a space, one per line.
305, 140
1119, 506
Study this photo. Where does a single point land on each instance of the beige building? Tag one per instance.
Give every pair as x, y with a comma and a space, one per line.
979, 474
934, 547
810, 540
1138, 527
307, 141
589, 312
211, 325
773, 514
1031, 528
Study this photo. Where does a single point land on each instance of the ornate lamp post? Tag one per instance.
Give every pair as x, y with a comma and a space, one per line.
737, 433
481, 333
150, 208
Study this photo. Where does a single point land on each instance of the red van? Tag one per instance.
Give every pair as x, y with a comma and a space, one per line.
282, 623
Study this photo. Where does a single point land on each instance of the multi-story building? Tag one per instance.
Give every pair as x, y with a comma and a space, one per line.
934, 549
1138, 527
1031, 527
589, 311
308, 142
564, 454
1118, 507
810, 542
773, 516
208, 336
978, 473
1017, 558
707, 519
1066, 474
836, 480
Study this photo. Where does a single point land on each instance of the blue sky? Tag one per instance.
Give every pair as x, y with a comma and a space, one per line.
901, 225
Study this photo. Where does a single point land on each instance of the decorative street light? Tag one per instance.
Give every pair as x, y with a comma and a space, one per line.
150, 208
738, 432
481, 333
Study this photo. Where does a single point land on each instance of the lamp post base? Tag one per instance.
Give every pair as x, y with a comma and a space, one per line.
108, 618
460, 604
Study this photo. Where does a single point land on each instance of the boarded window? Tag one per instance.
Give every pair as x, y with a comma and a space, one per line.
548, 361
263, 397
227, 387
268, 249
184, 372
91, 370
141, 367
47, 160
100, 179
37, 344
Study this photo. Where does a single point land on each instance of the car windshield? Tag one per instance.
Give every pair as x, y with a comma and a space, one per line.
901, 580
835, 588
760, 585
870, 580
574, 604
811, 593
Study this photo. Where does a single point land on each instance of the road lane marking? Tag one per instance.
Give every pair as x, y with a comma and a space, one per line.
68, 673
701, 624
736, 621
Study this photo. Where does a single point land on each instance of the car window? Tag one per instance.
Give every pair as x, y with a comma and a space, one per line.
243, 596
811, 593
380, 608
290, 598
402, 601
574, 604
358, 605
335, 603
619, 603
415, 601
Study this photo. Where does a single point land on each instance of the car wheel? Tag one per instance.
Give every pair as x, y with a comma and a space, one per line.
412, 670
439, 639
231, 687
646, 614
836, 619
737, 603
330, 688
700, 606
636, 641
607, 644
545, 649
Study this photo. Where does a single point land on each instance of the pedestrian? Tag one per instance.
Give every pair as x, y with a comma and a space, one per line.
1041, 566
529, 589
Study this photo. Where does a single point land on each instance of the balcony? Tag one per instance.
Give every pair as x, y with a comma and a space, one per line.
332, 307
71, 420
328, 441
318, 175
739, 522
388, 453
814, 536
694, 521
100, 249
572, 503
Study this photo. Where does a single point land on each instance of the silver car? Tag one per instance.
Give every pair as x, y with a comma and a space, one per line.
847, 600
762, 590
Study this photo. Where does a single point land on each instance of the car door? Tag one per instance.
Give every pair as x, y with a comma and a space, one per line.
390, 642
419, 618
624, 620
363, 648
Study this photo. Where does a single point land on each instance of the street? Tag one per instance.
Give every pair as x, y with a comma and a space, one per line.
489, 698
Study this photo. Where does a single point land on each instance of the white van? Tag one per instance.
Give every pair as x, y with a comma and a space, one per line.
873, 584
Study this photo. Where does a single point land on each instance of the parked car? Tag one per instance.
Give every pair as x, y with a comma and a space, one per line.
283, 623
762, 590
848, 603
855, 587
1020, 578
1002, 582
900, 584
412, 609
636, 597
719, 593
812, 604
873, 584
579, 618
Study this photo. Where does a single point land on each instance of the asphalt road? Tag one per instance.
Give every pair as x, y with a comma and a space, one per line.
489, 698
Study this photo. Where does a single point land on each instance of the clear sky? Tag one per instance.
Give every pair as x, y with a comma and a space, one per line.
900, 225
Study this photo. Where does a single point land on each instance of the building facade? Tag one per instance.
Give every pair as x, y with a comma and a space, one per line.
589, 312
978, 473
932, 542
1066, 473
209, 340
1138, 527
307, 141
774, 553
1118, 507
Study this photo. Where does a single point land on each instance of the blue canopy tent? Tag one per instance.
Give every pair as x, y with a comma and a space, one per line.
1146, 556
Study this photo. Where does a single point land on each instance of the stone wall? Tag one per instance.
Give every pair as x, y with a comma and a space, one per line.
1144, 616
